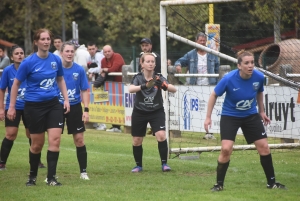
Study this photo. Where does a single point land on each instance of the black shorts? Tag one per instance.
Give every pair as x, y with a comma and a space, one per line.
73, 119
41, 116
16, 121
252, 127
140, 119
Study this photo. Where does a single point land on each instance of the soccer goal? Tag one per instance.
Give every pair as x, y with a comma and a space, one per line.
268, 29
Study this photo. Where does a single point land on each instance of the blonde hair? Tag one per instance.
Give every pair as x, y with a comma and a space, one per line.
145, 54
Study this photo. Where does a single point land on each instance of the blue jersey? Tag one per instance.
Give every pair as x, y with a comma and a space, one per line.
240, 98
7, 80
76, 81
40, 74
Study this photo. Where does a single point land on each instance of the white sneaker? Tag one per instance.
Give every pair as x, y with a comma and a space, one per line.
116, 130
84, 176
95, 125
101, 127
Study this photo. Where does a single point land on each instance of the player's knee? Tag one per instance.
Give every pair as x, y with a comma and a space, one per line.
11, 136
226, 151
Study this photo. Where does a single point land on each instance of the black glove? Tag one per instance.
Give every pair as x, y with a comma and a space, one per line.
161, 84
148, 84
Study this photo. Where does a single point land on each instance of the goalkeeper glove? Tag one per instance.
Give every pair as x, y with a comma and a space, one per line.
148, 84
161, 84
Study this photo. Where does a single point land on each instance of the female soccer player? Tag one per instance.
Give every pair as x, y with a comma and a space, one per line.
77, 84
148, 107
12, 127
43, 72
244, 90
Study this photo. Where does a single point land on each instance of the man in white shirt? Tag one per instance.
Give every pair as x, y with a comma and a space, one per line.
57, 44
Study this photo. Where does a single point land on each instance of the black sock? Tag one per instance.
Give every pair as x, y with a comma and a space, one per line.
34, 163
221, 172
52, 158
5, 150
267, 164
163, 151
82, 158
138, 155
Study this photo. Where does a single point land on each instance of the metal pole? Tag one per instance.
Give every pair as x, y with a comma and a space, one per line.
63, 22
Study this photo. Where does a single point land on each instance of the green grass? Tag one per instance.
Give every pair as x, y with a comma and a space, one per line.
110, 161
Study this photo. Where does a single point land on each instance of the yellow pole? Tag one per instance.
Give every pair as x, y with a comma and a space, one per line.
211, 13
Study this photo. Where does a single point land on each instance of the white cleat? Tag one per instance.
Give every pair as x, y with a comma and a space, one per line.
84, 176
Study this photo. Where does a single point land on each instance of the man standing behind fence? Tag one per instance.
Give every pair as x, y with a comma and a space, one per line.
198, 61
112, 62
146, 47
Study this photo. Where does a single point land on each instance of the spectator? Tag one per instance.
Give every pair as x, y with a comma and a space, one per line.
146, 47
57, 44
112, 62
4, 60
94, 66
81, 54
198, 61
95, 57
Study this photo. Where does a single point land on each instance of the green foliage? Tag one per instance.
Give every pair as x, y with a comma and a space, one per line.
110, 161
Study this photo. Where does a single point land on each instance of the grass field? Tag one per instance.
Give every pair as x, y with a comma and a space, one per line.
110, 161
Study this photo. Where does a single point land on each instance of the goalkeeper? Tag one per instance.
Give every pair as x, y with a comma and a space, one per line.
244, 90
148, 107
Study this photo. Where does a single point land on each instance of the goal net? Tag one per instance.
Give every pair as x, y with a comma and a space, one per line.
268, 29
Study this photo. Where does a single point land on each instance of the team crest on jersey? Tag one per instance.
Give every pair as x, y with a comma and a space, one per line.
75, 76
255, 85
53, 65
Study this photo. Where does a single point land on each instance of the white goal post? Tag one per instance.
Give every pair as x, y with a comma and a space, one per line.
164, 33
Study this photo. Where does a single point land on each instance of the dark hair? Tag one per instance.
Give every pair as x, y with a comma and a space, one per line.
57, 37
13, 48
67, 43
91, 44
200, 34
2, 47
241, 54
37, 36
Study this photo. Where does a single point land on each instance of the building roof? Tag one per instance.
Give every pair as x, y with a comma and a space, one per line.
259, 45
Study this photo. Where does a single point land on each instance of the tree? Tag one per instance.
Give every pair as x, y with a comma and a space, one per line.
20, 19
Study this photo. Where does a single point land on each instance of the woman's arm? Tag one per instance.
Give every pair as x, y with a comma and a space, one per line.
210, 105
62, 86
11, 113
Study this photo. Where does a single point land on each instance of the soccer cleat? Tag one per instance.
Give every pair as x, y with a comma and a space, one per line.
217, 187
31, 181
95, 125
116, 130
53, 182
41, 165
165, 168
2, 167
84, 176
101, 127
46, 180
137, 169
276, 185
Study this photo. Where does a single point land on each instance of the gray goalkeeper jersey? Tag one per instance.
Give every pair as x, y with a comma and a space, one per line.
148, 99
